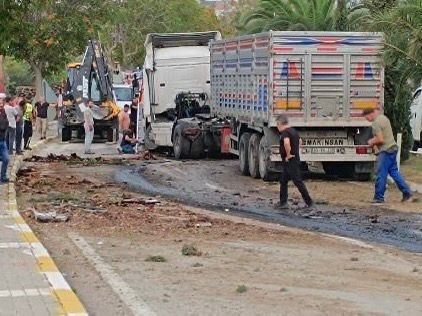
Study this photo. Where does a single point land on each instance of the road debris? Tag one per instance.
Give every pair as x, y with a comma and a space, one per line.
203, 224
49, 216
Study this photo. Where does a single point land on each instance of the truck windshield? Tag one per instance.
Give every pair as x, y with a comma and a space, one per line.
123, 94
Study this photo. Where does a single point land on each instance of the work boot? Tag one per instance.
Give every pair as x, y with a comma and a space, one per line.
282, 206
407, 198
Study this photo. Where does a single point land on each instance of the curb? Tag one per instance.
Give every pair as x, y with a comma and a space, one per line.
69, 303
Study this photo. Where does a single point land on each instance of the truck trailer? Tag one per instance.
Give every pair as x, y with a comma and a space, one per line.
321, 80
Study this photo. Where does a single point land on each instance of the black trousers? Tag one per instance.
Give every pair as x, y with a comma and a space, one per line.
27, 133
291, 171
19, 136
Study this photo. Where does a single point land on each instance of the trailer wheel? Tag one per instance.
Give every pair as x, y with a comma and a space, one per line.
181, 145
264, 161
254, 155
66, 134
244, 153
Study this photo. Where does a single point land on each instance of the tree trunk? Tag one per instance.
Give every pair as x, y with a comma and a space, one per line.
39, 91
2, 76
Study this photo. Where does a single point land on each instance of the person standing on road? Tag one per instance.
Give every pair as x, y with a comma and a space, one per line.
12, 115
89, 127
20, 108
289, 151
4, 155
124, 124
28, 117
41, 108
384, 142
134, 114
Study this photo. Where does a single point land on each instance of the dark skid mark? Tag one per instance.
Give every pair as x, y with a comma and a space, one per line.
401, 230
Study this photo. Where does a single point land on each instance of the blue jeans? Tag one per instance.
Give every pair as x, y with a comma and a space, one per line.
128, 149
4, 157
387, 165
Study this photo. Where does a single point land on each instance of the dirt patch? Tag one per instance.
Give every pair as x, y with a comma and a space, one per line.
245, 267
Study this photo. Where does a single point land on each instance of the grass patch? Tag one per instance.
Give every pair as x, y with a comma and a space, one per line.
241, 289
156, 259
412, 169
190, 250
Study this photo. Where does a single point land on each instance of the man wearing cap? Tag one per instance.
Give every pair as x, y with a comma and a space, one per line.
383, 142
289, 151
4, 155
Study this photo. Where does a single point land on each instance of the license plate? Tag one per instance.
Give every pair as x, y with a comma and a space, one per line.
323, 151
324, 141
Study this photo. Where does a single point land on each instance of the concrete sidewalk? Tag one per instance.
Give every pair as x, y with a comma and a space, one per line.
30, 282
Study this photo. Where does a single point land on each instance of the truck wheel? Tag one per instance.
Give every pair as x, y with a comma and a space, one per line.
254, 155
264, 160
149, 142
110, 135
197, 148
181, 145
66, 134
244, 153
416, 145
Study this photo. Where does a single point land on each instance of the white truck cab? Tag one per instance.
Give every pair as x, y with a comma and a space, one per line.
416, 118
123, 94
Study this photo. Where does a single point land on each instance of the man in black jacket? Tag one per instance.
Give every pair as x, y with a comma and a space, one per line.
289, 151
4, 154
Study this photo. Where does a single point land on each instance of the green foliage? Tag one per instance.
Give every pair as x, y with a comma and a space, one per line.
401, 22
51, 31
18, 72
190, 250
292, 15
156, 259
241, 289
128, 25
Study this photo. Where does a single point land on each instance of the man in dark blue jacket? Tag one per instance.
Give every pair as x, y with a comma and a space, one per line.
4, 154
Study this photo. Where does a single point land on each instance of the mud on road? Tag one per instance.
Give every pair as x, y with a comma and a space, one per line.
342, 207
242, 267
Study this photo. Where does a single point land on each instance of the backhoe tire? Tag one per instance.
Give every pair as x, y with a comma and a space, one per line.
181, 145
253, 156
66, 134
244, 153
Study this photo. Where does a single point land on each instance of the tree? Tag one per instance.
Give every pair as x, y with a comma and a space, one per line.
292, 15
10, 12
51, 31
401, 22
18, 72
129, 23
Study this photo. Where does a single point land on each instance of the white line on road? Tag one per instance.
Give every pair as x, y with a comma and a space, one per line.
136, 304
25, 292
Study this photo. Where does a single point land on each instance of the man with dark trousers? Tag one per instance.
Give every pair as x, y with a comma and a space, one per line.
289, 151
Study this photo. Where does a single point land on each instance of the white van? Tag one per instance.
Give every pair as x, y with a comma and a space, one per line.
123, 94
416, 118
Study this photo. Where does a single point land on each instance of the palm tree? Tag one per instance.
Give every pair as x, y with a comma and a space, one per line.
294, 15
